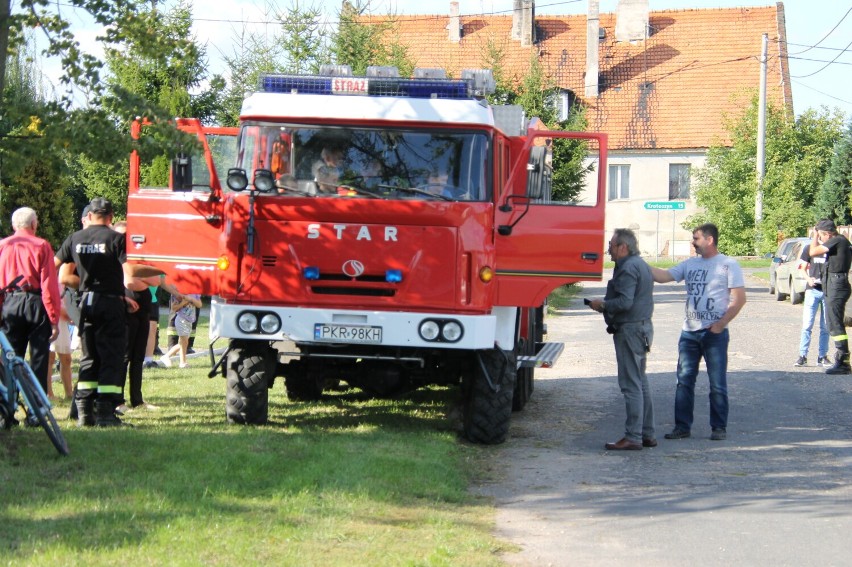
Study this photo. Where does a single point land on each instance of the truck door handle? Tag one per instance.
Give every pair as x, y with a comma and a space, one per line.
589, 256
213, 219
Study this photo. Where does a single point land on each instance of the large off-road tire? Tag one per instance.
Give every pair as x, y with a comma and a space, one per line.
250, 368
303, 382
487, 412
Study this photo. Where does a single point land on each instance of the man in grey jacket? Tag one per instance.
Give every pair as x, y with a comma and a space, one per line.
627, 309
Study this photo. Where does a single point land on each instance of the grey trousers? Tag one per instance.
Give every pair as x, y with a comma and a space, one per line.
631, 355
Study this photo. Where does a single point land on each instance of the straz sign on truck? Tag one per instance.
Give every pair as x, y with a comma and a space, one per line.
381, 232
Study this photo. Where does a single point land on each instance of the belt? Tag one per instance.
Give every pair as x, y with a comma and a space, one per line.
26, 291
838, 274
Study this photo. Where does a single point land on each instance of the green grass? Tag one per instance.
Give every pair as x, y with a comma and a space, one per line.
345, 481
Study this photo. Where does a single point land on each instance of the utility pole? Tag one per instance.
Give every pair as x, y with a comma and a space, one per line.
761, 143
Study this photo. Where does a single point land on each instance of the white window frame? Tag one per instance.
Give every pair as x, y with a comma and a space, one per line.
618, 182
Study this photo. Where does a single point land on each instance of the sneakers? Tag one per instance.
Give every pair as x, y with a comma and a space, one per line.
147, 406
122, 409
802, 361
166, 361
718, 434
824, 361
184, 365
678, 434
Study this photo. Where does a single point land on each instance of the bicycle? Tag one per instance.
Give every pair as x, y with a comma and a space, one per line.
19, 383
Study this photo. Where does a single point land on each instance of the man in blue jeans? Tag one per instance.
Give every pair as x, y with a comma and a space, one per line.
715, 294
814, 304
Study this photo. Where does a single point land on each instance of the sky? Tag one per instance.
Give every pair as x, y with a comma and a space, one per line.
820, 75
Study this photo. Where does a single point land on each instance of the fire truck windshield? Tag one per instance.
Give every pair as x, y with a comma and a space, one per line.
320, 161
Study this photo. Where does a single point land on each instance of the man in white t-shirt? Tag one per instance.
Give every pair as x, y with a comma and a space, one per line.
715, 294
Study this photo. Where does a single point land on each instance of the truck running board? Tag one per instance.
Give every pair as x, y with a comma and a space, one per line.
545, 356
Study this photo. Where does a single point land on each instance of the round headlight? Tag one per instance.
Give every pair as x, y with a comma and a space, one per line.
270, 323
263, 181
237, 180
452, 331
247, 322
429, 330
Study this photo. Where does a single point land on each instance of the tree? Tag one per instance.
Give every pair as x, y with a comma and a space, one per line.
834, 199
29, 180
797, 153
160, 83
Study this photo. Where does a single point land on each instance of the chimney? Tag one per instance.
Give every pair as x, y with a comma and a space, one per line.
631, 20
527, 22
455, 24
593, 26
523, 21
516, 19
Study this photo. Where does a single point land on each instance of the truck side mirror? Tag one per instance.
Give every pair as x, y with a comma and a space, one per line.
181, 173
537, 173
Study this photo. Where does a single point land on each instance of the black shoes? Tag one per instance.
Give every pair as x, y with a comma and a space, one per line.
801, 361
678, 434
718, 434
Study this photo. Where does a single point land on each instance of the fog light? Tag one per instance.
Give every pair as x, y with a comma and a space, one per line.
311, 273
270, 323
452, 331
429, 330
247, 322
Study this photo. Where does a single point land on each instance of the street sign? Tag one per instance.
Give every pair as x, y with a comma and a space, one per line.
665, 205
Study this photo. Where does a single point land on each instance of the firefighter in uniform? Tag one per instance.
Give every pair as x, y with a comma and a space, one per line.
838, 258
99, 255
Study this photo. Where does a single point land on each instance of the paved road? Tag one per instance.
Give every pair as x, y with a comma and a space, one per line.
777, 492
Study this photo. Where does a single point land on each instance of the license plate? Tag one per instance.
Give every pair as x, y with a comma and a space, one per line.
347, 333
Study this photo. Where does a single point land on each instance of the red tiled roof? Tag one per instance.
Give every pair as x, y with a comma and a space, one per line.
670, 91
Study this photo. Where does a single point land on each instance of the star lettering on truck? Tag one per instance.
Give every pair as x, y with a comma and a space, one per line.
363, 232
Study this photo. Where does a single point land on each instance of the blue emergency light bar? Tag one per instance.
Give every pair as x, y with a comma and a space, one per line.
367, 86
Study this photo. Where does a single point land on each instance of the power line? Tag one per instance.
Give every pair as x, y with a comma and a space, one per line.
826, 35
820, 61
824, 66
800, 83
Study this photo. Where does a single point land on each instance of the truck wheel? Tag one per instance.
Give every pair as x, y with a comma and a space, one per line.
249, 370
526, 375
302, 382
486, 412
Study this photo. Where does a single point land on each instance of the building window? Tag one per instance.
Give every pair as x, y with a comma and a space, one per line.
678, 181
619, 182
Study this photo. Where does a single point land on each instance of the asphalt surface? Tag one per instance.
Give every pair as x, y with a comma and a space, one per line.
777, 492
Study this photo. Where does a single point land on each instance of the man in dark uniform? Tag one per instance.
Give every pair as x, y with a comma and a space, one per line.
31, 314
838, 258
99, 255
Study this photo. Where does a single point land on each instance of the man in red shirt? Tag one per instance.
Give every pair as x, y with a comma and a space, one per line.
31, 314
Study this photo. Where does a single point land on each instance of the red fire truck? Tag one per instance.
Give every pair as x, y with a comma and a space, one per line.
383, 232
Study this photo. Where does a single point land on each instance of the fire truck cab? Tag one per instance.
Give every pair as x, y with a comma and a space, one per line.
385, 232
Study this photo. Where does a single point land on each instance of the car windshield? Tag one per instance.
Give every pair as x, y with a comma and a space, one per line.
377, 163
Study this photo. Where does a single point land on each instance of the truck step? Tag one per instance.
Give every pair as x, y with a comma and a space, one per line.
545, 356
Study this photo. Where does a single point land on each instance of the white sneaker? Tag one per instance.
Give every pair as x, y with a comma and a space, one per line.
167, 362
147, 406
122, 409
184, 365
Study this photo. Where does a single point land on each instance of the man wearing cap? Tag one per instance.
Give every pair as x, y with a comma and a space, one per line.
31, 313
99, 255
838, 258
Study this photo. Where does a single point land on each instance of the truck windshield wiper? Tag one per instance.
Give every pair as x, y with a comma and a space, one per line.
416, 191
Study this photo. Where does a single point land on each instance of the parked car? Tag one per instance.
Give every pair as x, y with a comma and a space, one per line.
790, 281
780, 256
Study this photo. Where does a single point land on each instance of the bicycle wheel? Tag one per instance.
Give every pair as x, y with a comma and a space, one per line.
40, 408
